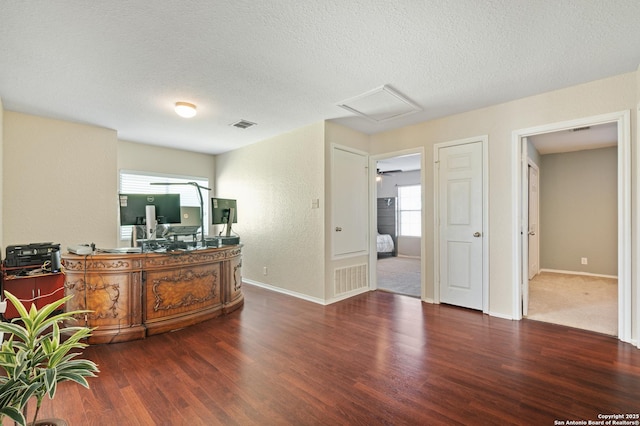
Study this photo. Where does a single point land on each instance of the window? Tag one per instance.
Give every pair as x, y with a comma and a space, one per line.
409, 206
132, 182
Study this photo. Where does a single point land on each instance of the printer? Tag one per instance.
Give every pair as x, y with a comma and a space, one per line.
33, 254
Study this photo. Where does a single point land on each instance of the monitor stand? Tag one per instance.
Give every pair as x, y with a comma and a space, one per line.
151, 222
232, 213
228, 239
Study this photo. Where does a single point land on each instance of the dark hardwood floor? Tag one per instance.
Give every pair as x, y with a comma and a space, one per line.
378, 358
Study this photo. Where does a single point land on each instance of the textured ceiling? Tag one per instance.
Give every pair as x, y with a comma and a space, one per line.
285, 64
589, 137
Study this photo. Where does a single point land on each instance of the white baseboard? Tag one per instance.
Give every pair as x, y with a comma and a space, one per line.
305, 296
559, 271
348, 295
408, 256
503, 316
284, 291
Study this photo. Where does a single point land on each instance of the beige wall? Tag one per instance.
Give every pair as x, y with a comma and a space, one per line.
154, 159
59, 182
60, 179
578, 211
498, 122
274, 183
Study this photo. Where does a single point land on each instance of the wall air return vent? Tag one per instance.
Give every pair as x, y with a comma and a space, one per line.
350, 278
380, 105
243, 124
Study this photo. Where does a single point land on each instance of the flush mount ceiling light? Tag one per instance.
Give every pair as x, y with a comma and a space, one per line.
381, 104
185, 109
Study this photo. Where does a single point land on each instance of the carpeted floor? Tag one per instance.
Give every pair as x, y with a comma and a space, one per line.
399, 275
580, 301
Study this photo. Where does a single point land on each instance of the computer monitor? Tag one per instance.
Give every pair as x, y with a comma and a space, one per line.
190, 223
224, 212
133, 208
190, 216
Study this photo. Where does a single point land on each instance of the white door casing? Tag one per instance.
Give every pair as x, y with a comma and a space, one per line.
460, 202
373, 258
519, 245
534, 234
523, 279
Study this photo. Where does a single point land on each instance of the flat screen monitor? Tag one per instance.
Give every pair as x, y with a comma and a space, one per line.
190, 223
221, 210
133, 208
190, 216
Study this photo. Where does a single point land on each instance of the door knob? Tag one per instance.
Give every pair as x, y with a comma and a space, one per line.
476, 234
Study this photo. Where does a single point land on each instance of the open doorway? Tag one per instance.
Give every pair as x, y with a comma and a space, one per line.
572, 228
398, 211
622, 190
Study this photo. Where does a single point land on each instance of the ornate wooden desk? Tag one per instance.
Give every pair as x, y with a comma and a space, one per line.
132, 296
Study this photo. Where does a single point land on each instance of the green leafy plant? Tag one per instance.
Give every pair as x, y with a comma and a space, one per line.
38, 355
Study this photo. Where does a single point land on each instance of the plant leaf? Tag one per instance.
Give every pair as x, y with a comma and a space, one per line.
14, 414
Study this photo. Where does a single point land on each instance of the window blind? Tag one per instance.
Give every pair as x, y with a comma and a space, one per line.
410, 206
133, 182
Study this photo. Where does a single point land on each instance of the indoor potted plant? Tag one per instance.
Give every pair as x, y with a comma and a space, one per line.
36, 357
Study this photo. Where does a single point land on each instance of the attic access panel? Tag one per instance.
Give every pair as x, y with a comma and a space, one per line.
379, 105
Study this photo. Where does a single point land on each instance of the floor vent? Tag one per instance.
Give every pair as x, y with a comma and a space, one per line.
350, 278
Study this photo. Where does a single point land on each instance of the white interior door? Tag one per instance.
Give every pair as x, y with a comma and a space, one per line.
349, 202
534, 235
460, 201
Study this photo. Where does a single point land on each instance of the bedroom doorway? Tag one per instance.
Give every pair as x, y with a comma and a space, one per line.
622, 122
575, 284
398, 234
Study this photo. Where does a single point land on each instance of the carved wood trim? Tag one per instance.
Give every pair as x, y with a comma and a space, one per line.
118, 264
181, 259
134, 295
74, 265
102, 264
112, 310
237, 284
76, 287
188, 298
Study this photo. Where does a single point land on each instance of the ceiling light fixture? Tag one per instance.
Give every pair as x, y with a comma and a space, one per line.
185, 109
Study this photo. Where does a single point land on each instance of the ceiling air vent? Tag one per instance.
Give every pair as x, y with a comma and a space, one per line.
243, 124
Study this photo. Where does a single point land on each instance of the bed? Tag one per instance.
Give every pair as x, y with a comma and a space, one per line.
385, 245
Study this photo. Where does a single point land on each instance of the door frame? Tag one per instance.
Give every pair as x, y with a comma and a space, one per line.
484, 140
526, 254
373, 232
532, 165
623, 120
